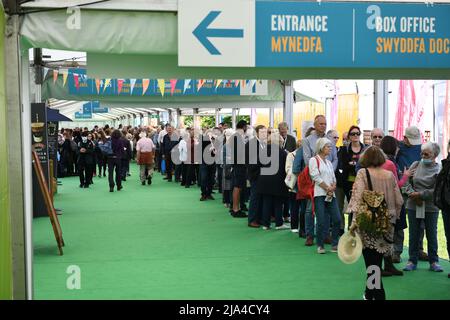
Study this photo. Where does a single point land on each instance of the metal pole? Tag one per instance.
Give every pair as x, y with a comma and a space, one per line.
217, 117
19, 160
233, 118
288, 111
381, 114
271, 116
195, 118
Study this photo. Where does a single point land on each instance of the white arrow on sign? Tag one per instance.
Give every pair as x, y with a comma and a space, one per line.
216, 33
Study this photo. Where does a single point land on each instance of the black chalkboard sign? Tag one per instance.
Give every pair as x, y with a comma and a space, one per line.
40, 146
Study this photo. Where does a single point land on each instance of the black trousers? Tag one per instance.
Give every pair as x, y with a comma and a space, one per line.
101, 162
114, 164
169, 165
158, 160
189, 174
178, 171
125, 168
207, 178
219, 176
85, 171
374, 258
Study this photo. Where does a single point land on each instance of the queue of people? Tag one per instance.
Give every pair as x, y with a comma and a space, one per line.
302, 186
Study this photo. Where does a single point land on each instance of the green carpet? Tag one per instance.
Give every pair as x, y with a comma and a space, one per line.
161, 242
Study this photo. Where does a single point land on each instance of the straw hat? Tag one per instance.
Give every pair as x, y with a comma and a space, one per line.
349, 248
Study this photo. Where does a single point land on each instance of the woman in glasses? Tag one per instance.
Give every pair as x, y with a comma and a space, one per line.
420, 206
349, 158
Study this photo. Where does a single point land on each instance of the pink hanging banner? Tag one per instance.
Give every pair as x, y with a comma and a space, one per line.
334, 105
446, 133
173, 83
406, 106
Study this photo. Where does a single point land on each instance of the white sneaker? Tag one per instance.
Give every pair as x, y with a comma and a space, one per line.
282, 227
266, 228
320, 250
294, 230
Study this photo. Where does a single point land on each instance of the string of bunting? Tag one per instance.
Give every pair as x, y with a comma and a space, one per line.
163, 85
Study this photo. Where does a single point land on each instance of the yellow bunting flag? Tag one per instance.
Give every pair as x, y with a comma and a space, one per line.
162, 86
107, 82
218, 82
65, 74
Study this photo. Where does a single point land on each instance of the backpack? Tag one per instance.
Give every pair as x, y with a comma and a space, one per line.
373, 218
106, 147
305, 184
441, 196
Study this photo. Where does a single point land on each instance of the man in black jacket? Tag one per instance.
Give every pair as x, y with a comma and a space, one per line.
239, 179
289, 142
254, 147
170, 140
127, 157
85, 160
207, 166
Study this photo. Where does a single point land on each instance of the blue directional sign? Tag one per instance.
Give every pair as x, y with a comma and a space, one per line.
86, 112
314, 34
97, 108
203, 32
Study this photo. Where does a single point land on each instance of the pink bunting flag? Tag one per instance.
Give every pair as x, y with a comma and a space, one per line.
76, 80
200, 84
119, 85
55, 75
236, 83
173, 83
97, 85
145, 84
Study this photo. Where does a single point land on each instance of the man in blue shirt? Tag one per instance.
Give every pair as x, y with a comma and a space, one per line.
409, 152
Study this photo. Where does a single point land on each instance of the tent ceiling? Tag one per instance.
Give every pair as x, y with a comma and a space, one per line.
135, 5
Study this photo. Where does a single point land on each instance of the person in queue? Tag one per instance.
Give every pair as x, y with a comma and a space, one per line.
255, 147
376, 135
421, 208
271, 186
322, 173
384, 182
349, 160
239, 169
409, 152
309, 151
